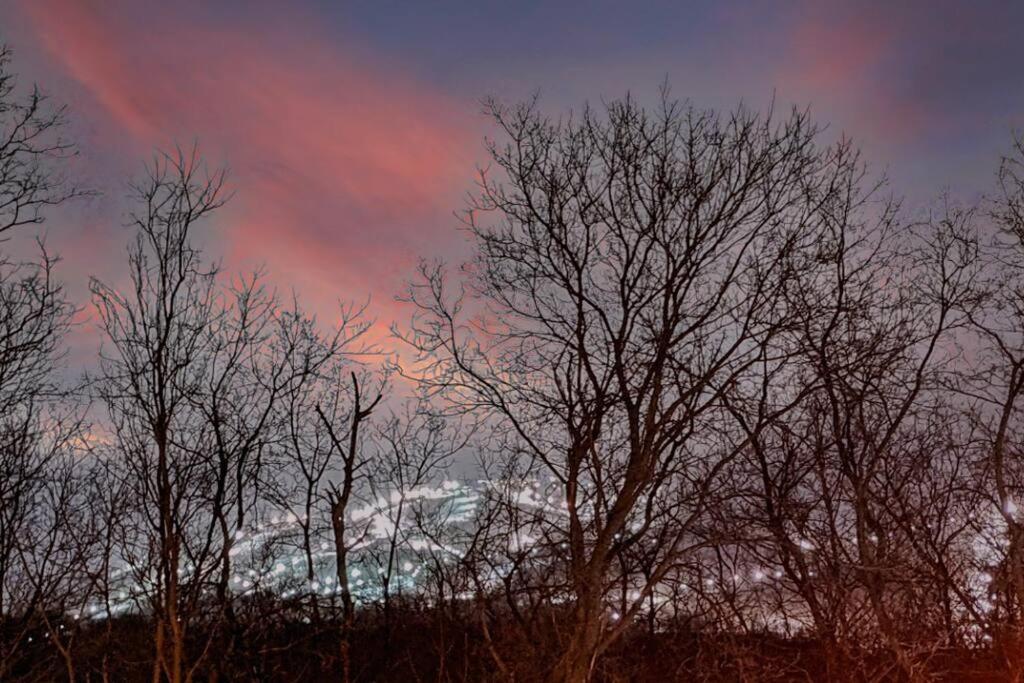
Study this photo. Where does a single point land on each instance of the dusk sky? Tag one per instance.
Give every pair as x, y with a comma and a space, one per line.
352, 130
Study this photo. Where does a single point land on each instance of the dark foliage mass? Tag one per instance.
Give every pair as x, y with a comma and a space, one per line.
705, 405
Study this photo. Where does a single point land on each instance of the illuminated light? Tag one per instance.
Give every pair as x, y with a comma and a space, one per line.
777, 574
355, 573
805, 544
616, 616
407, 566
758, 575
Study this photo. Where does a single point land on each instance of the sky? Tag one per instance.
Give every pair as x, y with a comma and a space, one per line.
353, 130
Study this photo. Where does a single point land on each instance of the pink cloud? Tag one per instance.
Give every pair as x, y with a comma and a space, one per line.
345, 171
843, 58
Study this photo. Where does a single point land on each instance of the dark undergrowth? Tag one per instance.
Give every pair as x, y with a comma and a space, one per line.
418, 644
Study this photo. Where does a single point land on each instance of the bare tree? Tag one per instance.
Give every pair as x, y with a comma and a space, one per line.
33, 152
633, 277
319, 458
866, 356
39, 428
414, 447
997, 389
348, 445
157, 330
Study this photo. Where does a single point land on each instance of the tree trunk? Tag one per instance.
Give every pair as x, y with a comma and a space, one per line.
577, 661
